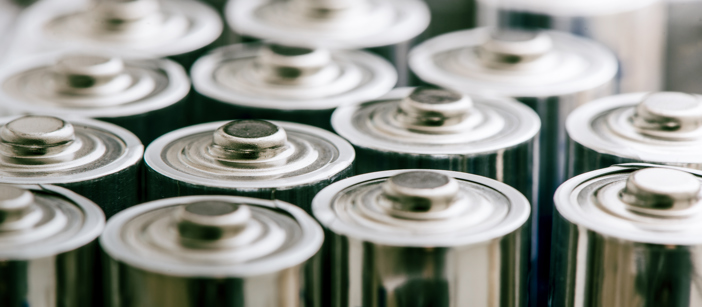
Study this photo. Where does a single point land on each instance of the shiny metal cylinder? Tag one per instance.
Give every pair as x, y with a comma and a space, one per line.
269, 81
634, 29
628, 235
424, 238
145, 96
47, 250
95, 159
684, 51
255, 158
212, 251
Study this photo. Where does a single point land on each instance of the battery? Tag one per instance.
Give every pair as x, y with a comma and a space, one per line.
95, 159
48, 247
178, 29
425, 238
145, 96
634, 29
661, 128
212, 251
386, 27
255, 158
256, 80
628, 235
684, 50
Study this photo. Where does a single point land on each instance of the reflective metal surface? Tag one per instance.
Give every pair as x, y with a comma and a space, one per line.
214, 251
683, 48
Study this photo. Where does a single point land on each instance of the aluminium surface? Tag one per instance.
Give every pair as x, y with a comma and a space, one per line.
256, 158
628, 235
95, 159
268, 81
425, 238
145, 96
213, 251
684, 46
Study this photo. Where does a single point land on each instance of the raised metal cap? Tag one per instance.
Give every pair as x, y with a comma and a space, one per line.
421, 191
661, 113
81, 74
512, 46
249, 139
330, 4
279, 64
124, 10
16, 210
211, 221
434, 107
661, 188
32, 135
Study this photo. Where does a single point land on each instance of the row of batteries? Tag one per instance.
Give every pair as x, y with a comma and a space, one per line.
478, 229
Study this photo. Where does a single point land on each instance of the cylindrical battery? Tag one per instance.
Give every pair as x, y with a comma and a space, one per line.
254, 80
95, 159
146, 96
628, 235
684, 50
634, 29
425, 238
178, 29
212, 251
552, 72
256, 158
48, 258
386, 27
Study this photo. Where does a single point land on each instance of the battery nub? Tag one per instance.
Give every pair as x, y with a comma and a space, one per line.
201, 224
421, 191
663, 112
430, 107
249, 139
508, 47
31, 135
16, 209
662, 189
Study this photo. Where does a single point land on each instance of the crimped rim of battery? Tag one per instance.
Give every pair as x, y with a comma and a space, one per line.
99, 149
503, 123
224, 75
604, 125
299, 165
386, 22
576, 64
128, 238
575, 202
356, 218
570, 7
26, 86
193, 25
69, 221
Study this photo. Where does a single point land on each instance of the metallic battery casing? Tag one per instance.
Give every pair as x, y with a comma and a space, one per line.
619, 242
145, 96
385, 27
684, 47
469, 248
158, 256
634, 29
203, 159
95, 159
253, 80
48, 260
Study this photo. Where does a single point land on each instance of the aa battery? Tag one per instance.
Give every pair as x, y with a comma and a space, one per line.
255, 158
385, 27
95, 159
628, 235
255, 80
178, 29
212, 251
635, 30
684, 52
47, 250
145, 96
425, 238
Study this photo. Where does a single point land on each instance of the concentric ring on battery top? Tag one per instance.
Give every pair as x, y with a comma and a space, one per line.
568, 8
504, 123
315, 155
99, 149
25, 88
386, 23
449, 60
69, 221
347, 208
126, 239
363, 76
575, 201
604, 126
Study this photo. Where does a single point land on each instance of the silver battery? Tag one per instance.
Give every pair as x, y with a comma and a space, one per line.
95, 159
634, 29
425, 238
256, 158
628, 235
212, 251
146, 96
660, 128
254, 80
386, 26
179, 29
46, 246
684, 50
